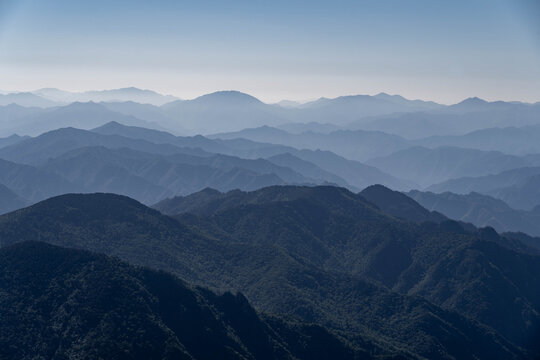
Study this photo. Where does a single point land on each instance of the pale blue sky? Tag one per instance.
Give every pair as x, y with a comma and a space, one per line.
430, 49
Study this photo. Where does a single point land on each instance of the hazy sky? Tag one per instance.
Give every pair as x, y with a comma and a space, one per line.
438, 50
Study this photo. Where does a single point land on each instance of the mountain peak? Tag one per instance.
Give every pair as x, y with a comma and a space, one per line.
473, 101
384, 95
109, 125
134, 89
228, 95
399, 204
88, 104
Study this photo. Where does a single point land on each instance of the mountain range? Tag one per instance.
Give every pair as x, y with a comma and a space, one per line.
150, 165
80, 115
508, 139
25, 99
517, 187
288, 248
351, 250
226, 111
480, 210
426, 166
114, 95
451, 122
355, 145
139, 225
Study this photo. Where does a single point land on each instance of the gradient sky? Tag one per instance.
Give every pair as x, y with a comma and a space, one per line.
429, 49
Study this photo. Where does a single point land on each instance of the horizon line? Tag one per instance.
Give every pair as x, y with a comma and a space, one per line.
299, 101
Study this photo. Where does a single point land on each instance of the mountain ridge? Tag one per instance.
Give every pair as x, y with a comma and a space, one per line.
192, 254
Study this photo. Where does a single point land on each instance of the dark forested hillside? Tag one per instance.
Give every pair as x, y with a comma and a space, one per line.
322, 255
427, 260
60, 303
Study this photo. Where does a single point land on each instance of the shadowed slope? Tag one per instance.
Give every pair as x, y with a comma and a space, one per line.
303, 236
60, 303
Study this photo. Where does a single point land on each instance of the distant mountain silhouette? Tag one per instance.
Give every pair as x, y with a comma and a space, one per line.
30, 183
308, 169
13, 113
475, 104
150, 165
135, 132
508, 139
518, 187
346, 109
230, 111
26, 99
243, 111
223, 111
226, 98
242, 148
114, 95
354, 173
448, 125
149, 113
298, 128
471, 104
9, 200
52, 144
415, 104
11, 140
152, 177
80, 115
426, 166
417, 125
481, 210
354, 145
162, 137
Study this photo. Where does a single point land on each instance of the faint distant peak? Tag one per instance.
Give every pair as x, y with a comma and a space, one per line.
127, 90
143, 96
84, 105
472, 104
381, 99
110, 125
228, 95
134, 89
384, 95
25, 99
473, 101
13, 106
